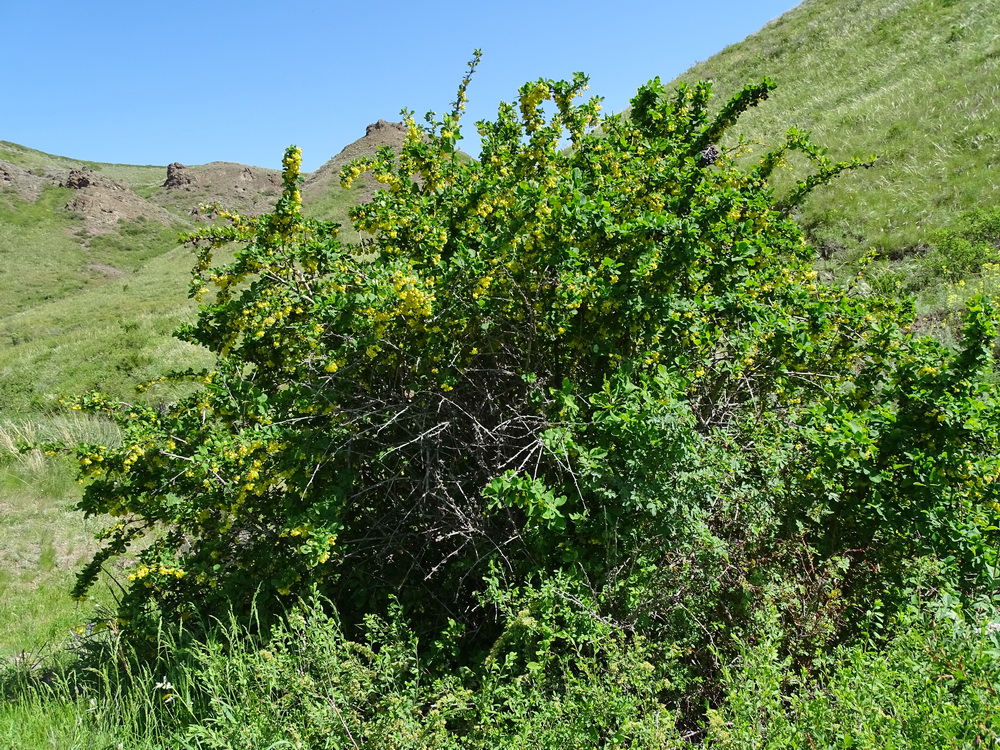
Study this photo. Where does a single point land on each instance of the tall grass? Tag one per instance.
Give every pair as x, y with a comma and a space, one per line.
306, 685
43, 540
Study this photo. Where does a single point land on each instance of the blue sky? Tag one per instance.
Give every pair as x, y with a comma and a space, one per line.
156, 82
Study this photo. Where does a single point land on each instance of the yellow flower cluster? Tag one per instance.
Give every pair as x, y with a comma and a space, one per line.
292, 160
414, 302
482, 287
143, 571
350, 173
134, 453
92, 457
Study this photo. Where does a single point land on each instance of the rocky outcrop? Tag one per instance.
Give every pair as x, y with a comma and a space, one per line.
177, 176
79, 179
102, 203
237, 187
384, 129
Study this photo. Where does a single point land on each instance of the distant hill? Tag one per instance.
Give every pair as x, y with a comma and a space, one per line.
92, 278
377, 135
915, 81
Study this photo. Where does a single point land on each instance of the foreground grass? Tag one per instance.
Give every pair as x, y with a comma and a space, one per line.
932, 685
43, 540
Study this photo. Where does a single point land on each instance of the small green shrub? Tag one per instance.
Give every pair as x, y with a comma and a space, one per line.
933, 685
963, 250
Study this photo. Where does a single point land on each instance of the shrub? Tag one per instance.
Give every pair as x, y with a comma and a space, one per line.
963, 250
611, 362
933, 685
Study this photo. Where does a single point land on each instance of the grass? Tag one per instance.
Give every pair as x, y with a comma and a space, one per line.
108, 338
333, 206
63, 259
915, 81
43, 540
54, 268
137, 177
133, 243
306, 685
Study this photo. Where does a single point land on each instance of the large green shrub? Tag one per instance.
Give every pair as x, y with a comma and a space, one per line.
612, 360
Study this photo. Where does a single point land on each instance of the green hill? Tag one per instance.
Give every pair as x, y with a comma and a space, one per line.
914, 81
92, 280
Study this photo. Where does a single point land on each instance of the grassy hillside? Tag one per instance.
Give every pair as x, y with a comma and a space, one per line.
139, 178
915, 81
82, 309
108, 338
47, 253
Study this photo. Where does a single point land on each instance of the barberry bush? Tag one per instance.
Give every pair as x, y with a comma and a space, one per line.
599, 351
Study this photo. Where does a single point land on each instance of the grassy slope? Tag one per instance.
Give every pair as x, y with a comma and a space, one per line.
134, 176
915, 81
43, 541
80, 312
40, 257
333, 206
46, 254
107, 338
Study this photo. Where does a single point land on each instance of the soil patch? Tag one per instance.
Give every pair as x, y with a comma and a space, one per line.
236, 187
101, 202
27, 184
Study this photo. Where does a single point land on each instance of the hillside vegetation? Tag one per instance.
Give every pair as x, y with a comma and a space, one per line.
585, 455
916, 82
93, 280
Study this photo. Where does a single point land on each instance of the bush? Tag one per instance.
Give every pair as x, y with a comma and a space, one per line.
934, 685
963, 250
612, 363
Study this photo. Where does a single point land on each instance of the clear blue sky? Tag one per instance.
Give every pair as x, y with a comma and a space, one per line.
156, 82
